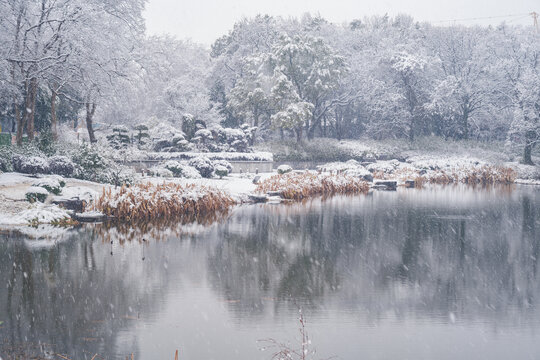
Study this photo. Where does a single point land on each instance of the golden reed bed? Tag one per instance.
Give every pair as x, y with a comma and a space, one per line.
144, 202
298, 186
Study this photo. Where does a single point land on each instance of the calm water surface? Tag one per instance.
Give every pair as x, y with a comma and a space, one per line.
447, 273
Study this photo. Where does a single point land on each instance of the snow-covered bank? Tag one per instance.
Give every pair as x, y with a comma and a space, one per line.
241, 188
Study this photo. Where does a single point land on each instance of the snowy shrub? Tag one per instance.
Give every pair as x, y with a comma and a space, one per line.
116, 174
36, 193
174, 166
204, 134
89, 162
360, 172
30, 165
50, 184
119, 138
58, 178
61, 165
223, 163
175, 142
178, 138
386, 167
160, 171
351, 168
179, 169
142, 135
283, 169
221, 171
189, 172
5, 157
203, 165
161, 144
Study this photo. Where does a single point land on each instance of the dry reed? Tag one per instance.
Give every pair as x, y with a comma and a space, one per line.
485, 175
298, 186
144, 202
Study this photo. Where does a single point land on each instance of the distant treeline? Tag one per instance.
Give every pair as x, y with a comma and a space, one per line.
379, 77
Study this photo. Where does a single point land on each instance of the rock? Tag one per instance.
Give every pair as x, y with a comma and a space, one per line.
258, 198
275, 199
368, 178
92, 216
410, 183
74, 204
283, 169
388, 184
274, 193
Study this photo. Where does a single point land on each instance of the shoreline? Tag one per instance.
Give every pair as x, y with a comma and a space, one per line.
16, 212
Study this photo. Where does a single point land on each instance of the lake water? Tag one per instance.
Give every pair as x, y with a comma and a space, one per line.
442, 273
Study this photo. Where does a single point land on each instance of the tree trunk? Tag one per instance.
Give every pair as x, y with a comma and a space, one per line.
19, 120
299, 134
90, 110
411, 129
529, 143
465, 124
54, 128
30, 108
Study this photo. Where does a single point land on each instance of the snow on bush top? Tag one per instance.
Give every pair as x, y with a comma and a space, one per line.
37, 190
229, 156
42, 214
47, 182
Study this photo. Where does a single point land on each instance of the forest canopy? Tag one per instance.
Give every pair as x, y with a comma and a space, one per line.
381, 77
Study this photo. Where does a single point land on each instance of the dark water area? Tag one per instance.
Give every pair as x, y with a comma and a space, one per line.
439, 273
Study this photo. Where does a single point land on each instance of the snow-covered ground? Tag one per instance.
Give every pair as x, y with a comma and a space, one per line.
15, 210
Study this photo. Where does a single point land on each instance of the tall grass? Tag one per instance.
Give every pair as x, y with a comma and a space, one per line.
144, 202
298, 186
485, 175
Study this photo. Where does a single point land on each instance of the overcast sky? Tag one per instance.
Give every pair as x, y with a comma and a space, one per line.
205, 20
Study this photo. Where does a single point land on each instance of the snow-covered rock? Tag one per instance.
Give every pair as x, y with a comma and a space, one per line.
37, 214
283, 169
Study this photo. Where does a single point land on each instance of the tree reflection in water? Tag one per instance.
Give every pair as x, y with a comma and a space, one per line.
442, 255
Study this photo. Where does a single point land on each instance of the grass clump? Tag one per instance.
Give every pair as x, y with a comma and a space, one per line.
485, 175
298, 186
145, 202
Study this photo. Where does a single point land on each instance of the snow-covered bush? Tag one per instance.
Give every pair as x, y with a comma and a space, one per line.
160, 171
51, 184
351, 168
116, 174
203, 165
386, 167
228, 139
119, 138
360, 172
30, 165
89, 162
61, 165
221, 171
36, 193
223, 163
174, 143
283, 169
5, 157
142, 135
204, 134
179, 169
58, 178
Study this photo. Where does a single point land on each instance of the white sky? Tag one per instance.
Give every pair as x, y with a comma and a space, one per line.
205, 20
